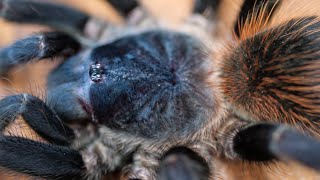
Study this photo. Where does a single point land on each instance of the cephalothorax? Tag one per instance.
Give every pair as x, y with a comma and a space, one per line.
158, 102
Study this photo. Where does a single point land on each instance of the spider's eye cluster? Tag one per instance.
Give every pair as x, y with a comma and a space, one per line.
96, 72
154, 84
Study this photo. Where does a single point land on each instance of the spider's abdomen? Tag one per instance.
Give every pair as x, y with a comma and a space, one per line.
152, 84
275, 75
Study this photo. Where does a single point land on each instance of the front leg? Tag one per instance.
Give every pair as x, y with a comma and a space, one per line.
260, 142
36, 47
265, 142
37, 115
41, 159
68, 20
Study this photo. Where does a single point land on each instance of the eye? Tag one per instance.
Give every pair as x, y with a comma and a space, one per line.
96, 72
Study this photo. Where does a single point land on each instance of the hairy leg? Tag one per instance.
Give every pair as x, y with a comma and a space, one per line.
48, 159
264, 142
36, 47
40, 159
65, 19
37, 115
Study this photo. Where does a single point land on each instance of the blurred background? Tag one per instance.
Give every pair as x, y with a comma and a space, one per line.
32, 78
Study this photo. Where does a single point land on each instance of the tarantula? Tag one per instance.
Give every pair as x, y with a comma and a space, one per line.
153, 101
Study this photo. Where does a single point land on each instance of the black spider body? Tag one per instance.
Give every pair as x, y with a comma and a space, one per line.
147, 83
151, 101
